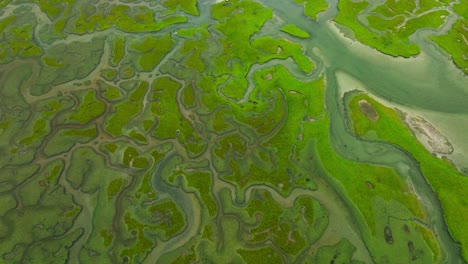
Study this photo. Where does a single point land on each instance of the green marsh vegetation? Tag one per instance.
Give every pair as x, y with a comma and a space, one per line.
388, 26
151, 50
178, 131
17, 38
313, 7
295, 31
455, 41
188, 6
446, 181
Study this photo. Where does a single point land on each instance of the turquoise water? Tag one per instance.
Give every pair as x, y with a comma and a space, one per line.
427, 82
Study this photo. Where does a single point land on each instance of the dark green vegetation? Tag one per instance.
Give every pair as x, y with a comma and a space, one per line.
178, 132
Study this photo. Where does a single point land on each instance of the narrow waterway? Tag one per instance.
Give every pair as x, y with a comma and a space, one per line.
427, 81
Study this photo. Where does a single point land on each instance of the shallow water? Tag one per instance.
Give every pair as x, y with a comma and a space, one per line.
428, 82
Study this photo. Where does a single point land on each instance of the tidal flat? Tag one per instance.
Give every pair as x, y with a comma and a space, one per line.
234, 131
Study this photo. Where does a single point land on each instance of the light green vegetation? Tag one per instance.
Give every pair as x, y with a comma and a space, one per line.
188, 6
129, 139
126, 18
362, 184
239, 52
118, 51
171, 123
176, 221
430, 239
122, 155
455, 43
354, 178
313, 7
295, 31
114, 188
233, 145
39, 130
193, 48
188, 95
162, 219
390, 33
238, 27
279, 105
89, 108
17, 39
54, 10
187, 32
201, 183
4, 3
282, 49
145, 189
126, 72
129, 85
132, 158
125, 111
138, 136
108, 74
109, 92
150, 50
51, 62
449, 189
267, 220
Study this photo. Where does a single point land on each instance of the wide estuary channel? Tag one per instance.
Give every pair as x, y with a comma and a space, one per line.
428, 82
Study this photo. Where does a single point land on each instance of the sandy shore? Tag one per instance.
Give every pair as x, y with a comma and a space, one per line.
441, 133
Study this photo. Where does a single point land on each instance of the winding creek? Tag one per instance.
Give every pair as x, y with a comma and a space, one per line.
431, 83
427, 82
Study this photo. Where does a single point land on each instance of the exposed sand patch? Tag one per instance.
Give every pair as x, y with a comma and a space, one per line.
436, 142
428, 135
367, 109
347, 37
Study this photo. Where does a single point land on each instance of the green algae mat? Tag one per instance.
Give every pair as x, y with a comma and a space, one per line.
233, 131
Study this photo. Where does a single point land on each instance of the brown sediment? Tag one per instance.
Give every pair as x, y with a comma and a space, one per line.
367, 109
369, 185
388, 235
428, 135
